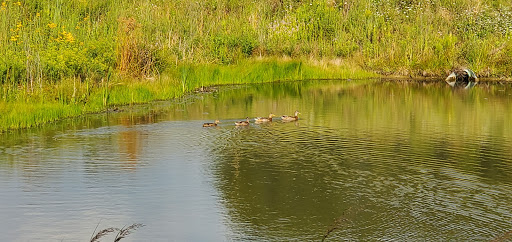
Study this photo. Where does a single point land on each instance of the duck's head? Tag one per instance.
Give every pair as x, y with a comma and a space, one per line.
297, 113
217, 121
271, 115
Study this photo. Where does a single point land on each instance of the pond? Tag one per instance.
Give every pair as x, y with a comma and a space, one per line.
367, 160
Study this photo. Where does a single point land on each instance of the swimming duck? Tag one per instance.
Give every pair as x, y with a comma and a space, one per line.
211, 124
462, 77
291, 118
242, 123
264, 120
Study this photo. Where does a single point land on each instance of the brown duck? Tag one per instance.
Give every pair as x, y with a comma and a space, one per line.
242, 123
264, 120
295, 117
211, 124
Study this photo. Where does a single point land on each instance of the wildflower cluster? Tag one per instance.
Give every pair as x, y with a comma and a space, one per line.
485, 21
308, 21
391, 10
288, 26
15, 33
65, 37
4, 4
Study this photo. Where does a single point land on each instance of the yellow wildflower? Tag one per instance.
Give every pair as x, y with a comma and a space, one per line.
14, 38
18, 3
38, 14
52, 25
65, 37
68, 37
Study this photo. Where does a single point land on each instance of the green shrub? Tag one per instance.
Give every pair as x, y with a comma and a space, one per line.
316, 21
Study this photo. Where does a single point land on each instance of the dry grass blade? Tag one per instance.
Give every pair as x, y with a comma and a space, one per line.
126, 231
503, 237
341, 221
103, 233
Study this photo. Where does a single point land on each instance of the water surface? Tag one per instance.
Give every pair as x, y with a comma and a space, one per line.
376, 160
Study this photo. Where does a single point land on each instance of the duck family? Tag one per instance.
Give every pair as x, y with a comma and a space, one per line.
259, 120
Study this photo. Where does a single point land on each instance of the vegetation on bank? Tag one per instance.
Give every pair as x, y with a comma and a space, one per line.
63, 58
20, 107
49, 40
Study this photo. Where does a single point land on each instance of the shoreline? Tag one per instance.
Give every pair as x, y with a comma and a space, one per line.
77, 99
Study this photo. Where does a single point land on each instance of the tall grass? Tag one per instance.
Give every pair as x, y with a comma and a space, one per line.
72, 97
92, 54
49, 40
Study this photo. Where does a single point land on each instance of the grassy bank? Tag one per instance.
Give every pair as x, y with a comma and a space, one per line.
20, 108
64, 58
48, 40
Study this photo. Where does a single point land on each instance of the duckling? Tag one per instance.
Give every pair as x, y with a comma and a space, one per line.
286, 118
264, 120
211, 124
242, 123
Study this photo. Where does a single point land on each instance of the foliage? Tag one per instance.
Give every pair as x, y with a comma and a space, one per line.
50, 40
77, 52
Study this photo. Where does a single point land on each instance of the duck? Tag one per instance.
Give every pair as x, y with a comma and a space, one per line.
242, 123
264, 120
211, 124
462, 77
286, 118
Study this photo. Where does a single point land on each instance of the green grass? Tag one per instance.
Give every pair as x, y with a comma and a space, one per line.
88, 55
50, 40
71, 97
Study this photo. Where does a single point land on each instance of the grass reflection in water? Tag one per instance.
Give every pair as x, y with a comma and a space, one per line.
397, 161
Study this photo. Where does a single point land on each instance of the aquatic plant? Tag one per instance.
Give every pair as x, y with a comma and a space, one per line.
102, 233
121, 233
125, 231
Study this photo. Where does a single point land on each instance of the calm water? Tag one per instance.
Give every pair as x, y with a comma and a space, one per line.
377, 160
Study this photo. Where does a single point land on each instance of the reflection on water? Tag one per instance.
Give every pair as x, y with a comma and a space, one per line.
377, 160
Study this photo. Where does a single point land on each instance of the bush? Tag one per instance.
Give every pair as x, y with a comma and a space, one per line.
228, 49
316, 21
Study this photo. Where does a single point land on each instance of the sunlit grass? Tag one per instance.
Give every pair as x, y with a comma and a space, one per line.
51, 40
70, 98
91, 55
